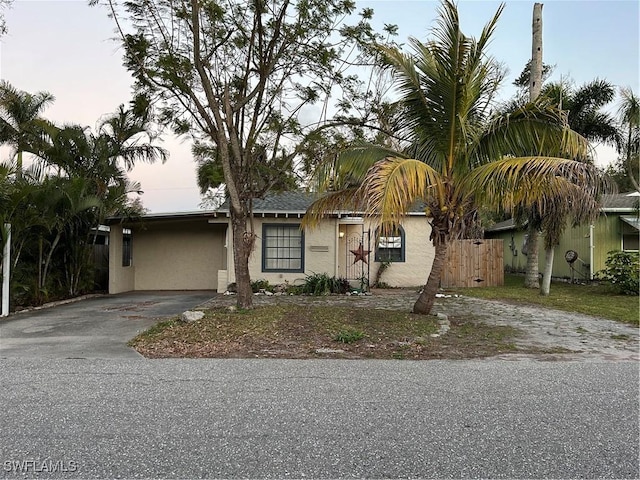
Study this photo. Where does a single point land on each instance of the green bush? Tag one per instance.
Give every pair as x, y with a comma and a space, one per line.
622, 272
323, 284
317, 284
258, 285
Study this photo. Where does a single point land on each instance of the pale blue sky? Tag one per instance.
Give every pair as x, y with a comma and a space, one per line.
64, 47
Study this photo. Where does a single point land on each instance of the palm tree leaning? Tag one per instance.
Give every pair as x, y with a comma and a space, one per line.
456, 148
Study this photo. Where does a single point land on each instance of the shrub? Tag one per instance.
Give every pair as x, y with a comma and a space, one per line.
622, 272
348, 336
317, 284
323, 284
258, 285
341, 285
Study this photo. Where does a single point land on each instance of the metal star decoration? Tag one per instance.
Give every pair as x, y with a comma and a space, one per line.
361, 254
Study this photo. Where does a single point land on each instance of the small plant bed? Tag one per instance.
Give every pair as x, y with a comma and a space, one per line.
295, 331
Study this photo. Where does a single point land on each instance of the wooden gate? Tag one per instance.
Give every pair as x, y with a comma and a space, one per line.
474, 263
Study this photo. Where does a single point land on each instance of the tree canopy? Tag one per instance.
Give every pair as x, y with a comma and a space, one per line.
250, 81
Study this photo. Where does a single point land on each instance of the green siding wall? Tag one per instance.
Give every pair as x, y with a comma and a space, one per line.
607, 236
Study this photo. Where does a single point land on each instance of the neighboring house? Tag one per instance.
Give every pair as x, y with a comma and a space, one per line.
192, 250
616, 228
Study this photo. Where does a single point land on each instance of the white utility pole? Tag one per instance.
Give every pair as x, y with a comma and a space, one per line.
6, 269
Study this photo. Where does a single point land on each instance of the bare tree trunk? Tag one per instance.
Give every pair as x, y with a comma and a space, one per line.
535, 72
242, 247
548, 266
535, 85
531, 279
425, 301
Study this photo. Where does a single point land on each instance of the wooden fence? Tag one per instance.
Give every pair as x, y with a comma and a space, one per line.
474, 263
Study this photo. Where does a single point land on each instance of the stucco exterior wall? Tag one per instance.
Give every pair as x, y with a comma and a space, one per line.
179, 256
319, 251
121, 279
325, 251
419, 253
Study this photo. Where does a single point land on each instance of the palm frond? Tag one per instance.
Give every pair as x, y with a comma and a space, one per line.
535, 129
349, 168
528, 182
394, 184
345, 200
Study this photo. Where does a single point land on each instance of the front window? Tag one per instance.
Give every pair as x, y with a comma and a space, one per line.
127, 248
630, 242
391, 248
282, 248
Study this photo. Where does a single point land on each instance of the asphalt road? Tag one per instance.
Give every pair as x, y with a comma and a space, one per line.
318, 418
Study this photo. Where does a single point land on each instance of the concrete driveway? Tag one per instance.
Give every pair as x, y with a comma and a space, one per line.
97, 327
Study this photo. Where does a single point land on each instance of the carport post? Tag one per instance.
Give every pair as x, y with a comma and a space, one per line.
6, 265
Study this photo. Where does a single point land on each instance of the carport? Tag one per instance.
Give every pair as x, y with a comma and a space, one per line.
167, 252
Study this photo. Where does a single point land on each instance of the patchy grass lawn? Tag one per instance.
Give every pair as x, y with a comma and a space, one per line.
320, 329
304, 331
595, 300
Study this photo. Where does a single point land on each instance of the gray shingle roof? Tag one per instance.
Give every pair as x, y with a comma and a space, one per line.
284, 202
291, 202
620, 201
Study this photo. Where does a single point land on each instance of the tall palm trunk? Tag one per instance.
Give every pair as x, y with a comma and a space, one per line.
531, 278
427, 298
548, 266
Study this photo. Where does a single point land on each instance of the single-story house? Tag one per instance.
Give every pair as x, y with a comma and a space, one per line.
193, 250
582, 251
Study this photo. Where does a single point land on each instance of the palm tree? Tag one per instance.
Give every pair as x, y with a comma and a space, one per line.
103, 158
629, 147
20, 123
447, 89
570, 196
126, 136
584, 108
